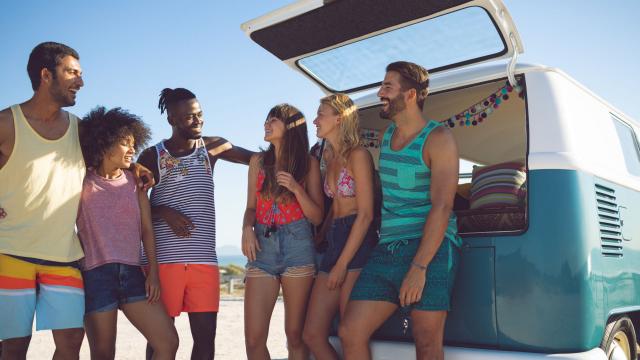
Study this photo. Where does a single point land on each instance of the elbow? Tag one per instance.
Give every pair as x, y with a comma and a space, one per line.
365, 217
316, 220
445, 208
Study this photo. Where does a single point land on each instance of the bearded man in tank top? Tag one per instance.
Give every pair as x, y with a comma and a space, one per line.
41, 172
182, 206
414, 264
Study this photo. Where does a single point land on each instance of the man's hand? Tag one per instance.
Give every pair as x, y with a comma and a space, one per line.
152, 287
179, 223
412, 286
3, 214
144, 176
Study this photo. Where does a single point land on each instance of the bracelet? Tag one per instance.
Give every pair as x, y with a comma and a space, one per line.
413, 263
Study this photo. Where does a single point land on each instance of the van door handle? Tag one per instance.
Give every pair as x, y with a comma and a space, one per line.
622, 211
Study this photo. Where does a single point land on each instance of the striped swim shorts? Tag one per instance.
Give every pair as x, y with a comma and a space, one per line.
54, 293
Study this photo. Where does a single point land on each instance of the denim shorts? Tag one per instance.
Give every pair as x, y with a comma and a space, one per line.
337, 236
110, 285
287, 248
382, 276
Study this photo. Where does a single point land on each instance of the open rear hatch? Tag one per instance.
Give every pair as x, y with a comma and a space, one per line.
344, 45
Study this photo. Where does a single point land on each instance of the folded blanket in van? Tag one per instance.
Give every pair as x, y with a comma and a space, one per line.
498, 185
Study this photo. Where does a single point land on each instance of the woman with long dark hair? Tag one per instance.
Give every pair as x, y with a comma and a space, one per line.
284, 196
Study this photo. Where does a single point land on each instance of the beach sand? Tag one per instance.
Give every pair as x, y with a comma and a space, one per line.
229, 340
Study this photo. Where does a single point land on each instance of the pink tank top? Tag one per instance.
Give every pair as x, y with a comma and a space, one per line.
109, 221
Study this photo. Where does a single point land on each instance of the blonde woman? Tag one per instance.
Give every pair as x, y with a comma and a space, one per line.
349, 182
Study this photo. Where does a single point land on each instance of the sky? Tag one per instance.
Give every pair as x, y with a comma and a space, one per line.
131, 50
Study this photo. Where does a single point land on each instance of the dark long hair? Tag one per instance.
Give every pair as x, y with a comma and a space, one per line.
294, 153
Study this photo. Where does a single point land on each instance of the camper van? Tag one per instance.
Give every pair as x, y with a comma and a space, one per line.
549, 196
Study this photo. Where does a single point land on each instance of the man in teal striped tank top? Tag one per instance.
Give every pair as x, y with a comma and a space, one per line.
415, 262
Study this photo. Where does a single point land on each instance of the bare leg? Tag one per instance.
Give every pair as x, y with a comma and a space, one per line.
101, 333
260, 297
15, 348
428, 332
295, 292
203, 330
360, 320
345, 290
323, 305
155, 325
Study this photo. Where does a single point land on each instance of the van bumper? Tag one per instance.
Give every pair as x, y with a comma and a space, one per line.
392, 350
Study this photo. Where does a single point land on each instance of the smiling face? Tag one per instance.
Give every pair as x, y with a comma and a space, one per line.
327, 121
391, 95
274, 129
120, 155
187, 119
66, 81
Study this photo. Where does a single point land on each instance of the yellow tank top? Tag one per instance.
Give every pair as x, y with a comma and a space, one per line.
40, 188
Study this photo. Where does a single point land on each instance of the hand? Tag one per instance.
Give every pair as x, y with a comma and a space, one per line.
336, 276
3, 214
180, 224
250, 244
412, 286
152, 286
144, 176
287, 180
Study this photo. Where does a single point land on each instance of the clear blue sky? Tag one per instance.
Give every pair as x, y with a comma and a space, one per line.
130, 50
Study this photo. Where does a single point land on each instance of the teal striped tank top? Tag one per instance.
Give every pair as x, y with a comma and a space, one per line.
406, 196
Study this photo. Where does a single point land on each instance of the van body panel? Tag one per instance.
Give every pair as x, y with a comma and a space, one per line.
547, 279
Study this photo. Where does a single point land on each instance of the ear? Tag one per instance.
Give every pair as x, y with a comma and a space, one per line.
45, 76
170, 118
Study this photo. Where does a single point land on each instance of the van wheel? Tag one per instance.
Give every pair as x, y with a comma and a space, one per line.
619, 340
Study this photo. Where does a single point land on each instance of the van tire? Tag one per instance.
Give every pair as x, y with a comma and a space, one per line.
619, 335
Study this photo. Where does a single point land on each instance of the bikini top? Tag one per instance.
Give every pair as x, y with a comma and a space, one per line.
346, 186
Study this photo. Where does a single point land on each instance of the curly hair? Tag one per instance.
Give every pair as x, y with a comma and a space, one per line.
100, 130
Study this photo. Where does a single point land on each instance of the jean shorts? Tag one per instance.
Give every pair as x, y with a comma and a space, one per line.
284, 251
109, 286
337, 236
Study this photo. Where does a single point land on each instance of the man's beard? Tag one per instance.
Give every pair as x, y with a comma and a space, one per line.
58, 94
396, 105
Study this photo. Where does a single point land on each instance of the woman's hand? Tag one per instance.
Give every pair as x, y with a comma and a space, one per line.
3, 214
336, 276
250, 243
152, 286
287, 180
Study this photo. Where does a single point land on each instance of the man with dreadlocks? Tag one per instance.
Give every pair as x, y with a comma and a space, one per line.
183, 213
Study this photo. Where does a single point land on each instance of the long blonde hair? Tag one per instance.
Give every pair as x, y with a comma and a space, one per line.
344, 107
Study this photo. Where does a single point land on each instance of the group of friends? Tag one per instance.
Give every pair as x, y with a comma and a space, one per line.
81, 238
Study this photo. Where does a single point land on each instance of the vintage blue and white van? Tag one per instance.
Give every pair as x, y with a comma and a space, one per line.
549, 217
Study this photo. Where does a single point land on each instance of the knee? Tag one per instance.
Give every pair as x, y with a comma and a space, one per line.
310, 335
350, 335
167, 344
294, 337
428, 346
14, 348
255, 340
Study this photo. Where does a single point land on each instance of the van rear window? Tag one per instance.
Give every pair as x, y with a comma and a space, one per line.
629, 144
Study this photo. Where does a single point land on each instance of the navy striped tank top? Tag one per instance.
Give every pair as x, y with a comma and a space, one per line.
406, 190
186, 185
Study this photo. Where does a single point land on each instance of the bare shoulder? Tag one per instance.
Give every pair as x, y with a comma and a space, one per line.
214, 140
147, 156
6, 124
440, 136
359, 154
255, 160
